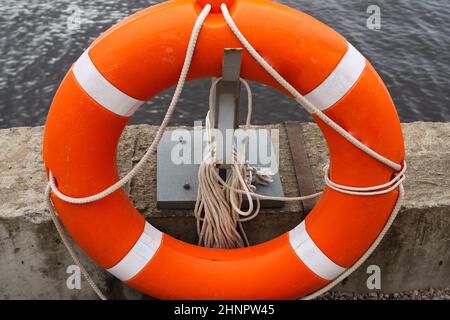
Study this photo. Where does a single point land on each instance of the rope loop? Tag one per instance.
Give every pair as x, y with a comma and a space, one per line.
393, 184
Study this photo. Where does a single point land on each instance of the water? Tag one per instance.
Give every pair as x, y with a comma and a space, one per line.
411, 53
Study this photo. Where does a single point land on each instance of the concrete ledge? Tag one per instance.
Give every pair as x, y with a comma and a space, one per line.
414, 255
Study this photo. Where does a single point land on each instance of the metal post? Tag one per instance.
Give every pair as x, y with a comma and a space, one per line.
225, 110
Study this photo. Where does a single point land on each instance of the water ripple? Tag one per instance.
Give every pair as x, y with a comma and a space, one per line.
411, 53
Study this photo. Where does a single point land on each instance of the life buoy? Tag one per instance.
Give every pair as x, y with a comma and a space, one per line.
142, 56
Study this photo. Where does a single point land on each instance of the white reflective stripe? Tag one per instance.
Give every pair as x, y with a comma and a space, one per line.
101, 90
311, 255
340, 81
138, 257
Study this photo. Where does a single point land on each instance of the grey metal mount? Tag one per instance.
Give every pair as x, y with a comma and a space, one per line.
177, 183
225, 110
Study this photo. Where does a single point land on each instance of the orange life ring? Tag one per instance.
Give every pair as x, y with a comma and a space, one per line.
142, 56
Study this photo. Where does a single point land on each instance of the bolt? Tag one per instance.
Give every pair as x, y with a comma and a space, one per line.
187, 186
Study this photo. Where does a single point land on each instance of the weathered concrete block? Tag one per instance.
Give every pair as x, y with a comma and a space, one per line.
414, 255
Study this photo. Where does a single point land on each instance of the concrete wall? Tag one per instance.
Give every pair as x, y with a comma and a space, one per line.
414, 255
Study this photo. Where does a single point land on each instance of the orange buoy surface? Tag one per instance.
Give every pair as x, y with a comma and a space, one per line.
142, 56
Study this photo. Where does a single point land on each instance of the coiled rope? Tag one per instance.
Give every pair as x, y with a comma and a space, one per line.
395, 183
218, 209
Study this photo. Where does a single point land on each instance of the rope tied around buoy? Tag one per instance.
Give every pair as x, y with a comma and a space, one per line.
239, 183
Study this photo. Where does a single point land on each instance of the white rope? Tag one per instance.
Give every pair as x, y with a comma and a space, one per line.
69, 246
218, 210
368, 191
52, 186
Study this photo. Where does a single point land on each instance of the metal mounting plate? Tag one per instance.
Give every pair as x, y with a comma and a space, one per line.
177, 184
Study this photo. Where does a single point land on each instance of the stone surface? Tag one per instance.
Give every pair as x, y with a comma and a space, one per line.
414, 255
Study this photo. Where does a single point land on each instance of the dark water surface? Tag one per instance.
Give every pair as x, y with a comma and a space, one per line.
411, 52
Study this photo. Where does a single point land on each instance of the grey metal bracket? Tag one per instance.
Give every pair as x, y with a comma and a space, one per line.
225, 110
